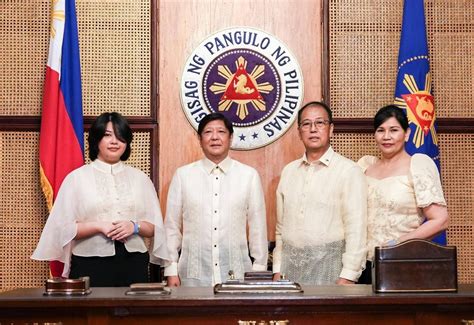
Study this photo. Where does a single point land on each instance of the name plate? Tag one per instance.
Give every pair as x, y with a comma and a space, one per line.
257, 287
67, 287
148, 289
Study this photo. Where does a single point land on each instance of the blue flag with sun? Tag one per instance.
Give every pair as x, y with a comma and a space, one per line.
413, 88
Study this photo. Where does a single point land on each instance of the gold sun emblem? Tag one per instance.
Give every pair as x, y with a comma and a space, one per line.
241, 88
419, 105
55, 15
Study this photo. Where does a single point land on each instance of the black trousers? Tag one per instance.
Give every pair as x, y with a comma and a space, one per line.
120, 270
366, 276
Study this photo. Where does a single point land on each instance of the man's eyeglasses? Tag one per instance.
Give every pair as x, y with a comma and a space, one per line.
319, 124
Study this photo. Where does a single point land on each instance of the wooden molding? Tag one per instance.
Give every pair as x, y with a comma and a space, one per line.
154, 55
20, 123
351, 125
155, 100
33, 123
326, 82
365, 125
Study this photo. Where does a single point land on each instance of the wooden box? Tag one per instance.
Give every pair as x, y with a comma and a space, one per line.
415, 266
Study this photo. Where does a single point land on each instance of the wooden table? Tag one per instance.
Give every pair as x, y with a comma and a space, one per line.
355, 304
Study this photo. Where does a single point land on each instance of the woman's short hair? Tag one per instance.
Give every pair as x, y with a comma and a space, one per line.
122, 130
315, 103
389, 111
212, 117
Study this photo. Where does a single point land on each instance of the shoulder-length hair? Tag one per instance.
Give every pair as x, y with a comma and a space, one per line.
122, 130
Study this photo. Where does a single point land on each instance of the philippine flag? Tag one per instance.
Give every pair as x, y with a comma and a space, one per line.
61, 147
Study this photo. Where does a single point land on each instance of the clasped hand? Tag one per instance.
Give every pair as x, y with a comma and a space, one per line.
120, 230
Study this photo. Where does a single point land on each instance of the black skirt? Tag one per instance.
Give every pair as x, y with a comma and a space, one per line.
366, 276
119, 270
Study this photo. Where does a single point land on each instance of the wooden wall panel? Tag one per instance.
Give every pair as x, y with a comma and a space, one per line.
182, 27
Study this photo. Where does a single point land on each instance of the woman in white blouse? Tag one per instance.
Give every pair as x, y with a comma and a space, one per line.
103, 211
403, 191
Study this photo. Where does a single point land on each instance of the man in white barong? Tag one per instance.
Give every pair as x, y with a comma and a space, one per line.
321, 209
211, 203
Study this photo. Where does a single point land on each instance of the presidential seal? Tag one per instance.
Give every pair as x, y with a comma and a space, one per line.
251, 78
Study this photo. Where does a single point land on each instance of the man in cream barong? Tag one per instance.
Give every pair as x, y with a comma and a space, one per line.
321, 209
210, 204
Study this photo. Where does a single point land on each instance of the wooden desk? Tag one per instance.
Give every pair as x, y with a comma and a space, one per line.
354, 304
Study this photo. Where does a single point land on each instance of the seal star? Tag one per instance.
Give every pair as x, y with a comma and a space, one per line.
242, 137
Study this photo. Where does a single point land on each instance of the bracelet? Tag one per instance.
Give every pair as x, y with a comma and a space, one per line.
136, 227
392, 242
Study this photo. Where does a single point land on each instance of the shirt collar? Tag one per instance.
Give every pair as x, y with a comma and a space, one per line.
108, 168
224, 165
325, 158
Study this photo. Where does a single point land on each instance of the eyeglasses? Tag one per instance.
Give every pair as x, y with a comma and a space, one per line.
319, 124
